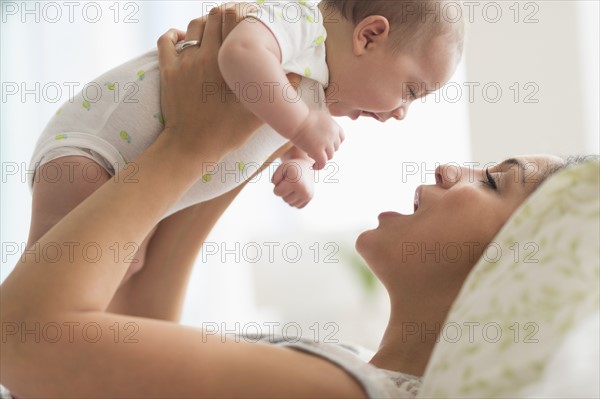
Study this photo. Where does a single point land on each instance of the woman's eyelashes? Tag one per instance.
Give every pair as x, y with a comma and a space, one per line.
490, 182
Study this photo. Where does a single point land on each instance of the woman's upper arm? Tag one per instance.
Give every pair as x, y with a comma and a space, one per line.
110, 355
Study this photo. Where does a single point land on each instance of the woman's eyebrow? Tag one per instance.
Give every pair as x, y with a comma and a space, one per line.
513, 161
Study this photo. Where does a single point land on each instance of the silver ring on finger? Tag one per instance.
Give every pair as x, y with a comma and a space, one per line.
179, 47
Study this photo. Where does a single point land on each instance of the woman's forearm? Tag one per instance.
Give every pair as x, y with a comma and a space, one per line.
90, 242
158, 290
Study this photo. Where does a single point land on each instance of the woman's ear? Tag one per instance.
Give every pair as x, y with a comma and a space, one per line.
372, 30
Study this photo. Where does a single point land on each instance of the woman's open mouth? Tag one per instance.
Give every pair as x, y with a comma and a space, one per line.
417, 198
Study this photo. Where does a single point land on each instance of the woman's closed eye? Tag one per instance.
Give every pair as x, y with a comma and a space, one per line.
490, 182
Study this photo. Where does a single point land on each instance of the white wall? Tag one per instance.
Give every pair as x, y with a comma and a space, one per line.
589, 39
549, 49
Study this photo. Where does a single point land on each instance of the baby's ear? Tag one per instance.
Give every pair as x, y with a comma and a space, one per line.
372, 30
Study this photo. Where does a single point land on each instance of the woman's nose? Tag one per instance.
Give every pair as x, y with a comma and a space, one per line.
447, 175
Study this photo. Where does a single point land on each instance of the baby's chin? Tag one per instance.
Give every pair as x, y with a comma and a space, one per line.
336, 109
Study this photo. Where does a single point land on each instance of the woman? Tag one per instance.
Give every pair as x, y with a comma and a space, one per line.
85, 351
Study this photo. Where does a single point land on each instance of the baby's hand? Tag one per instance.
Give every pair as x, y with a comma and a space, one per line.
294, 183
319, 136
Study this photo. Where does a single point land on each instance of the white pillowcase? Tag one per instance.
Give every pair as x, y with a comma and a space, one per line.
574, 371
539, 279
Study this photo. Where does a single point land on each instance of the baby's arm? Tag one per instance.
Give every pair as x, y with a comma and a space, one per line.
293, 179
250, 58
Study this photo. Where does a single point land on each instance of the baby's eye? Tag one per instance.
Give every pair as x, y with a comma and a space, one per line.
412, 93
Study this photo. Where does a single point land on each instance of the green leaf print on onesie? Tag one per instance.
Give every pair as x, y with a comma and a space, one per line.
160, 118
141, 74
319, 40
125, 136
86, 104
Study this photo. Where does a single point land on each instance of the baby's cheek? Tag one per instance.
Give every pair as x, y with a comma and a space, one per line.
380, 100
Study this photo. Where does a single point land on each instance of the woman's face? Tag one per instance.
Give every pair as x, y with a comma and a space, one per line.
453, 222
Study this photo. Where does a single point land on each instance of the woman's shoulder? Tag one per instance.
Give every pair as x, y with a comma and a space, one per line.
377, 382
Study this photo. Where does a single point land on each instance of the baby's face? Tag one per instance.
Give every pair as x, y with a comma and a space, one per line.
383, 86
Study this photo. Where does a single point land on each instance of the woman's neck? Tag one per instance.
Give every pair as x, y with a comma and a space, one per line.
409, 338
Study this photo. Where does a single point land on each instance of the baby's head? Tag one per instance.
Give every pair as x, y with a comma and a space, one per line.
383, 54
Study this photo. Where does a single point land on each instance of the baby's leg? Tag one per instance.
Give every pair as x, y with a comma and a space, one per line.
59, 186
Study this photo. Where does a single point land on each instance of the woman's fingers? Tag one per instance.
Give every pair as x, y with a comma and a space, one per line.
212, 37
166, 45
230, 19
234, 13
195, 29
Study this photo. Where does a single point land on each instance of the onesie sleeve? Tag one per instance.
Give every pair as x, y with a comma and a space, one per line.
296, 25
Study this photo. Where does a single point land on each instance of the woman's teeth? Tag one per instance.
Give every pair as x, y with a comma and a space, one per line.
416, 203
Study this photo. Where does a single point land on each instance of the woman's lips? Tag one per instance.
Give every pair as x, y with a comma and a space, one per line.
388, 214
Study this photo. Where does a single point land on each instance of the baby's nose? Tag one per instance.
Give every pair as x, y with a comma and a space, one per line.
399, 114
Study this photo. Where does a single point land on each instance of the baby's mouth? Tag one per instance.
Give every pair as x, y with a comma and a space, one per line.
372, 115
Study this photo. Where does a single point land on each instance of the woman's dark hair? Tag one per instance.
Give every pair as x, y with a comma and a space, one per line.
570, 161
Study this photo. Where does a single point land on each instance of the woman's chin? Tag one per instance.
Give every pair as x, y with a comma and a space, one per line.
363, 241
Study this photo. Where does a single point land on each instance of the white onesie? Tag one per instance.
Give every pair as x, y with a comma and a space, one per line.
117, 116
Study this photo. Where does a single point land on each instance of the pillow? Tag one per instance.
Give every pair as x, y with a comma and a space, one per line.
538, 279
574, 370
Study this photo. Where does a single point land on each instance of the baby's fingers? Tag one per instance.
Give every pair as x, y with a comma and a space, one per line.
283, 190
320, 160
301, 204
329, 150
292, 199
278, 175
342, 134
336, 144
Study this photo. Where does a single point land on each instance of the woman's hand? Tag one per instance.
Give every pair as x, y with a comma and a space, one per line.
193, 92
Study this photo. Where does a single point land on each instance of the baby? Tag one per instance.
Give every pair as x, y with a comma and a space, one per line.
381, 55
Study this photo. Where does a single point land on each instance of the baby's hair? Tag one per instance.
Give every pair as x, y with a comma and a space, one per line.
413, 23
